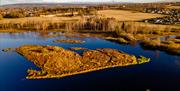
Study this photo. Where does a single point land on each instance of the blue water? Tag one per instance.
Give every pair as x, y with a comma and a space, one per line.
161, 74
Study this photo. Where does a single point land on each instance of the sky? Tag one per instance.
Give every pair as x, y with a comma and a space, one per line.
2, 2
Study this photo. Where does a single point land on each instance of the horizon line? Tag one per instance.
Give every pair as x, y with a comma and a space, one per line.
105, 2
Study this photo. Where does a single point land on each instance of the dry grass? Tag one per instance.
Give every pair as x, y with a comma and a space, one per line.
172, 7
145, 30
70, 41
39, 19
56, 62
78, 48
170, 46
94, 24
123, 15
39, 23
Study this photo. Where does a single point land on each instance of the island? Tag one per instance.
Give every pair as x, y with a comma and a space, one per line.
57, 62
70, 41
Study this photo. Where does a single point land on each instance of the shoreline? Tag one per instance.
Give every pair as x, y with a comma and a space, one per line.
77, 73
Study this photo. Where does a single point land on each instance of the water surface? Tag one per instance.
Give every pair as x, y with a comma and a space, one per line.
162, 73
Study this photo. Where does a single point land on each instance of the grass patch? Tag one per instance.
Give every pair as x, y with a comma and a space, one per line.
123, 38
118, 40
70, 41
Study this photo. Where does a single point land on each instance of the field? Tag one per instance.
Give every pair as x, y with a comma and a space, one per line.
120, 15
123, 15
39, 19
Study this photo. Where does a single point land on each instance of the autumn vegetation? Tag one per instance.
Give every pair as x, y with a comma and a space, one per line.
1, 17
78, 48
121, 32
171, 45
56, 62
69, 41
93, 24
115, 20
125, 15
119, 23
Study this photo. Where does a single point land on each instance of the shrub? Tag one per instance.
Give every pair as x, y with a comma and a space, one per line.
14, 15
143, 59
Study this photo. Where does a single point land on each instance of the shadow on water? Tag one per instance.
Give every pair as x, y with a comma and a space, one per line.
161, 74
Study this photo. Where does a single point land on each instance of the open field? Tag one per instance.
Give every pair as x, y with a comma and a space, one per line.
123, 15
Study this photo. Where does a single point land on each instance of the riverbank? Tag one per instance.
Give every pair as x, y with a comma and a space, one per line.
171, 45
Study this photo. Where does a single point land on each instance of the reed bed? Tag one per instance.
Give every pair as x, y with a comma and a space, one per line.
92, 24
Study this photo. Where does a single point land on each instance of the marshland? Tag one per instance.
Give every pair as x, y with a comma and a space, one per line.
90, 47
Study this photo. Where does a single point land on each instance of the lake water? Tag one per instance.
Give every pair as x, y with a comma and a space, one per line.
161, 74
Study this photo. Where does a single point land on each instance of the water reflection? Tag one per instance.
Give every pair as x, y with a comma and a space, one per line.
24, 35
163, 38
